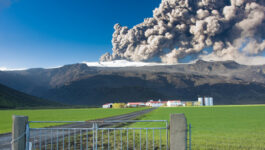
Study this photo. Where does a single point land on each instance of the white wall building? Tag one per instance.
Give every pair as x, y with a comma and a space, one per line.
152, 103
174, 103
135, 104
108, 105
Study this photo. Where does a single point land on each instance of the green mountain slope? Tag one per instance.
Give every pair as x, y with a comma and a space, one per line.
10, 98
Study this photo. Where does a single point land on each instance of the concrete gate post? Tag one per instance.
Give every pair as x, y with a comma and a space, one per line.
178, 132
19, 132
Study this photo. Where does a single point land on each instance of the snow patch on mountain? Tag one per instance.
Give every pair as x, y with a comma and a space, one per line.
122, 63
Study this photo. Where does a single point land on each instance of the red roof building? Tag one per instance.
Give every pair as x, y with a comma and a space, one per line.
108, 105
135, 104
152, 103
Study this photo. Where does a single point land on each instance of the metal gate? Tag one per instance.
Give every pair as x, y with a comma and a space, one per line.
99, 135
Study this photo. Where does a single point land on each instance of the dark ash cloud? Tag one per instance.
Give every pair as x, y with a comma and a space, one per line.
179, 28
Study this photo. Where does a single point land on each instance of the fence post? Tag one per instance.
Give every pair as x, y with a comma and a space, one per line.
178, 132
19, 132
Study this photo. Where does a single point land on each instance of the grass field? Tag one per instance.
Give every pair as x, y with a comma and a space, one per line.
59, 115
219, 127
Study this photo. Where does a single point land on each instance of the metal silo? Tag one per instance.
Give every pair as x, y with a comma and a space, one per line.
200, 100
211, 101
206, 100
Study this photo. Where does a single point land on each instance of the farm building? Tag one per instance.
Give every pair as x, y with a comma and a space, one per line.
174, 103
108, 105
202, 101
196, 104
118, 105
189, 103
135, 104
159, 103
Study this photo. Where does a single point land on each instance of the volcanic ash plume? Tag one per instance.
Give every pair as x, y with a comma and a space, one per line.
234, 30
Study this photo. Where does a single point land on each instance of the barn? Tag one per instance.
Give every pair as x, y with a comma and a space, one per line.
108, 105
135, 104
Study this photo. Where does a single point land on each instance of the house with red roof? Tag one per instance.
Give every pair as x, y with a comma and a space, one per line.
174, 103
158, 103
108, 105
135, 104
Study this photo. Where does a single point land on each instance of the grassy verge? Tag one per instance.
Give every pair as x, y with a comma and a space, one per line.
221, 127
59, 115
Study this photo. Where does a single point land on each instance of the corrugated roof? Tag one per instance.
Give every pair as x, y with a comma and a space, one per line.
135, 103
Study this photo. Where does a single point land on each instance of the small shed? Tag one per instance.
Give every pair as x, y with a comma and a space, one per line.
108, 105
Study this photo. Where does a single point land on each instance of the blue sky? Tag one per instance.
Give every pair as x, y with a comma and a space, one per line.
52, 33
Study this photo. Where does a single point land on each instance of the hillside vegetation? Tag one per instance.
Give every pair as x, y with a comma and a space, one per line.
10, 98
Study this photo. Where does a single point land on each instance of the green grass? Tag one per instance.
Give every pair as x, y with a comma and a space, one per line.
59, 115
219, 127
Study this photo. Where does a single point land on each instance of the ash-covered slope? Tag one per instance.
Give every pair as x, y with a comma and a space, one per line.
228, 82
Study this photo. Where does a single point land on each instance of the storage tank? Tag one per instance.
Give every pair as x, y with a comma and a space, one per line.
200, 100
211, 101
206, 101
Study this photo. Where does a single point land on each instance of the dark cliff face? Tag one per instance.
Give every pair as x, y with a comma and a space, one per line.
228, 82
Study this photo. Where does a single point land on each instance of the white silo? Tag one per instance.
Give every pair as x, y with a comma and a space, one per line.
206, 101
200, 100
211, 101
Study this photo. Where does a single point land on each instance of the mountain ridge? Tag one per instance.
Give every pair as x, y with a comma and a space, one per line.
161, 81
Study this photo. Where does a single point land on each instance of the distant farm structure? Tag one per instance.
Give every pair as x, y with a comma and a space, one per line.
108, 105
202, 101
205, 101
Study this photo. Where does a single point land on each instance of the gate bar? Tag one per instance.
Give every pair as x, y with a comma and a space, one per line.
104, 121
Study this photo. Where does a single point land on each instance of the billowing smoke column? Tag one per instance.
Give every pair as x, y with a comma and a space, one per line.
234, 29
